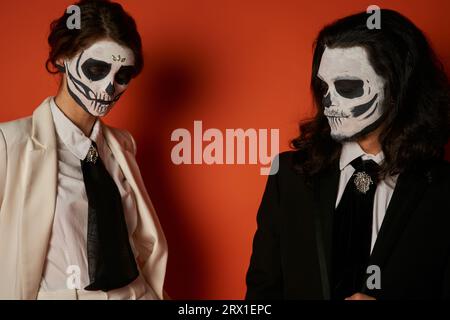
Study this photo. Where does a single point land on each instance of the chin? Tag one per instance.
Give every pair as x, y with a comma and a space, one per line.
352, 136
103, 114
339, 137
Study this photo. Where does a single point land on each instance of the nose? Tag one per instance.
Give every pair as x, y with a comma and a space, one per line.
110, 89
326, 101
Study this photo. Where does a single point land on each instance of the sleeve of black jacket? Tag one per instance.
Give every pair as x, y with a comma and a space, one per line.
264, 278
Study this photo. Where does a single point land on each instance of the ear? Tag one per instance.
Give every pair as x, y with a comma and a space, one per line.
60, 65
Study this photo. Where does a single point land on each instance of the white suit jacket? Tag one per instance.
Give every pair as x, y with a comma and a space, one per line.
28, 184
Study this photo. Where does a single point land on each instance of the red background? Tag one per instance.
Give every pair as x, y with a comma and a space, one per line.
231, 64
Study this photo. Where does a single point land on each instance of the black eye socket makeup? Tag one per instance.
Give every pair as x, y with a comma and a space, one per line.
349, 88
124, 75
323, 87
95, 69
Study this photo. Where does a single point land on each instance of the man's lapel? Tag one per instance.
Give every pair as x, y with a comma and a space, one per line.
39, 185
407, 194
325, 192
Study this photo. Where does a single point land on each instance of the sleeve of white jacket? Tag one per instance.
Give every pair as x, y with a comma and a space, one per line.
133, 142
3, 158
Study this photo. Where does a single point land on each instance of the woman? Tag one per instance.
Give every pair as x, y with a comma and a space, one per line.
76, 221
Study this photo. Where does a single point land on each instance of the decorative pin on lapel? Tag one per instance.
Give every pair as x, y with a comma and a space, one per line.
362, 182
92, 155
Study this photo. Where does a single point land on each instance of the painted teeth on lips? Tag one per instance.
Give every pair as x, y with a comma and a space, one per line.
335, 113
105, 101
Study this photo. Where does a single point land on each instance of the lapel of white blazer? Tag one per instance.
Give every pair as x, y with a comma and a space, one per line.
40, 181
149, 237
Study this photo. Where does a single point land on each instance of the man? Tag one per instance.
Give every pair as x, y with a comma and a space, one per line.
361, 208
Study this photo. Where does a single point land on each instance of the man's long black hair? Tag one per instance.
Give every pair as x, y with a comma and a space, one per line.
416, 122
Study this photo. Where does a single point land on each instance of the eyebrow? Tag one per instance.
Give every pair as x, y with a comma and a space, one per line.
98, 61
347, 78
340, 78
127, 67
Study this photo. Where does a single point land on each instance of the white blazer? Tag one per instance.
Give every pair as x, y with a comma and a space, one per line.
28, 184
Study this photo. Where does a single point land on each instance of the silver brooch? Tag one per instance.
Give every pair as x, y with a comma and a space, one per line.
92, 155
363, 182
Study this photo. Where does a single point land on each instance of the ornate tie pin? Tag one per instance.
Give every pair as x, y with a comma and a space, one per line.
362, 182
92, 155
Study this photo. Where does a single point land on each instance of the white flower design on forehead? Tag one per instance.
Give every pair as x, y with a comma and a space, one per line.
353, 98
99, 75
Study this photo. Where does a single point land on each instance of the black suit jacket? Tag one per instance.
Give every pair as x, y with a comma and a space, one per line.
291, 247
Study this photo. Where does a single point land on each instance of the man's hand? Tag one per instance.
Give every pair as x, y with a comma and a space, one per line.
360, 296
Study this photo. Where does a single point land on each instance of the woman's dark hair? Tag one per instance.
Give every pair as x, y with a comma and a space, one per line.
100, 19
416, 121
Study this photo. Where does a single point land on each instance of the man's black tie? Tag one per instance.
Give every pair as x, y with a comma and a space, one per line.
111, 261
352, 230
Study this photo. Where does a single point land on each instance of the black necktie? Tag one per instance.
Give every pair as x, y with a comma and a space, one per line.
352, 230
111, 261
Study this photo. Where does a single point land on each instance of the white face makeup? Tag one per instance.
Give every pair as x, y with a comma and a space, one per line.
354, 96
99, 75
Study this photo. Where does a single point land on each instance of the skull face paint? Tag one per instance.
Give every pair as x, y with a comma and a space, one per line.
353, 92
99, 75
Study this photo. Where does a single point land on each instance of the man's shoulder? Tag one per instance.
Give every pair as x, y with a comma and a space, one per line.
285, 161
288, 160
288, 174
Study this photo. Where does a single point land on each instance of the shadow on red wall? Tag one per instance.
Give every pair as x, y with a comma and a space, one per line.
175, 81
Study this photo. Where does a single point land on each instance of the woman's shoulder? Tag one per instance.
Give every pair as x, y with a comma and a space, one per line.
123, 137
16, 131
